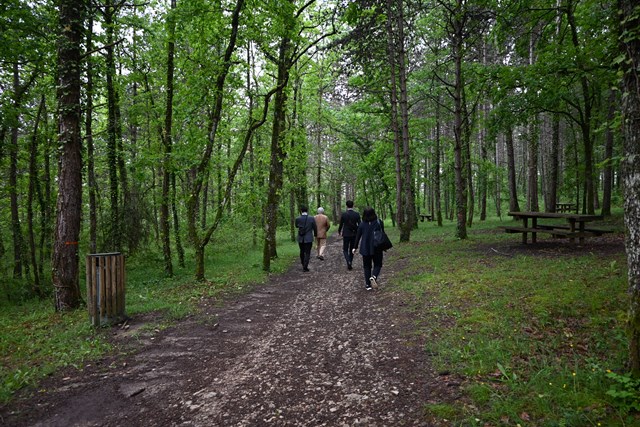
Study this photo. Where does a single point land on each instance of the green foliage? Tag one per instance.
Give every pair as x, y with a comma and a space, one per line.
625, 391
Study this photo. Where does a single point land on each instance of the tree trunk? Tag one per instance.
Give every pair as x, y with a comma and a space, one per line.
276, 159
466, 132
607, 178
112, 128
482, 179
498, 181
458, 151
514, 206
167, 140
34, 187
44, 198
436, 169
176, 222
409, 197
554, 160
630, 16
532, 168
65, 258
91, 173
554, 165
200, 241
405, 230
252, 178
585, 116
16, 228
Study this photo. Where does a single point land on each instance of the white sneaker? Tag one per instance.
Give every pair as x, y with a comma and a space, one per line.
373, 281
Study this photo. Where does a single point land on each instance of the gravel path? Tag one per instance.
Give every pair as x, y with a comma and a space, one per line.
306, 349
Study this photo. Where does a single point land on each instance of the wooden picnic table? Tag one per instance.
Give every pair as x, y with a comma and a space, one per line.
428, 217
566, 207
575, 226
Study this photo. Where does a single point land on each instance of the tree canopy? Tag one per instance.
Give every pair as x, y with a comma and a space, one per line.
153, 124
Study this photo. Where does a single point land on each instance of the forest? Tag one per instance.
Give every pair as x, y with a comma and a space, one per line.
154, 126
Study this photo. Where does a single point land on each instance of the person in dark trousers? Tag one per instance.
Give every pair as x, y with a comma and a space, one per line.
349, 221
307, 231
364, 240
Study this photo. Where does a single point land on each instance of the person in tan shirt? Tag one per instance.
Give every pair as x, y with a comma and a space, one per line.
323, 225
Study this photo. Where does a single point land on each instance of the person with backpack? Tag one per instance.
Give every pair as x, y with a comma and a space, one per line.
349, 221
307, 231
365, 241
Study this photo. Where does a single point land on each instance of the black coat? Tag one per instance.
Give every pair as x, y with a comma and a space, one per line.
349, 222
365, 233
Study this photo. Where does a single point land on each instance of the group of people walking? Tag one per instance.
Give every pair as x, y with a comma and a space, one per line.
357, 233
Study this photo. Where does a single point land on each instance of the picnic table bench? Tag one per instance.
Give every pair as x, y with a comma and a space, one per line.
575, 227
428, 217
566, 207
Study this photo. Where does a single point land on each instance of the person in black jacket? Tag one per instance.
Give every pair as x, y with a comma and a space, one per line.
364, 240
307, 231
349, 222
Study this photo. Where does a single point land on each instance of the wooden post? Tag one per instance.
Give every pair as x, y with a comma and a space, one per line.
105, 288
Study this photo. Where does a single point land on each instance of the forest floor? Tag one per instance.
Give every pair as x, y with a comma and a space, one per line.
310, 349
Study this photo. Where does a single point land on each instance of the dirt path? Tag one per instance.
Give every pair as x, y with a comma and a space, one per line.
307, 349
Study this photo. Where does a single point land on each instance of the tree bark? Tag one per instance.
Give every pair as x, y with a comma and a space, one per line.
395, 130
115, 228
482, 178
16, 227
630, 46
65, 258
585, 113
176, 221
276, 159
514, 206
554, 165
91, 173
34, 187
532, 168
607, 178
167, 134
409, 197
436, 168
458, 151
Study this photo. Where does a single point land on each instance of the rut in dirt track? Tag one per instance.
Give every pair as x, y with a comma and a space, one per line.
306, 349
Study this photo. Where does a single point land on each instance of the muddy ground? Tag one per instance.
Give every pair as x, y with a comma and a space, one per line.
306, 349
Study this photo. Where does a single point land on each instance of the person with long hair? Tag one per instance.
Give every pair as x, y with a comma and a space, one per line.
364, 240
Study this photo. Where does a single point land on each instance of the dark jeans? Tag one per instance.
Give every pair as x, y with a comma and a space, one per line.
348, 243
377, 266
305, 253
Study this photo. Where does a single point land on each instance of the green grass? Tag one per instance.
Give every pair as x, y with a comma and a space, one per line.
533, 337
36, 341
536, 340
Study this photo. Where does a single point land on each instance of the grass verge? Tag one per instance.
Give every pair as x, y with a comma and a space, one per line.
35, 341
535, 335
